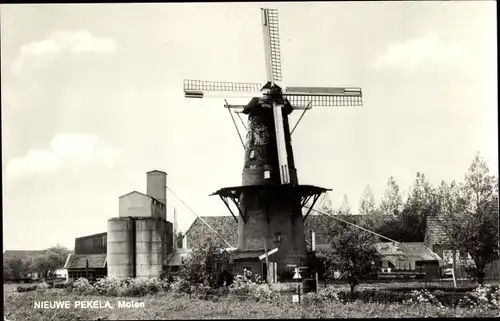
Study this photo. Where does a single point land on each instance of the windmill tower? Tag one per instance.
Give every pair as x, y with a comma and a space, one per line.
270, 199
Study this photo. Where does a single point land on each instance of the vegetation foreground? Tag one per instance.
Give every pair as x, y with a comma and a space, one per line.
173, 304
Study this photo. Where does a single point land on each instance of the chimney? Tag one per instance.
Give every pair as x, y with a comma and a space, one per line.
313, 241
157, 186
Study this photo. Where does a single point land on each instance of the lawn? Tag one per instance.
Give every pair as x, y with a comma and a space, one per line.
20, 306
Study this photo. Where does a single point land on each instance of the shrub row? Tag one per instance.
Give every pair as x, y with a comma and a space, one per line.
243, 289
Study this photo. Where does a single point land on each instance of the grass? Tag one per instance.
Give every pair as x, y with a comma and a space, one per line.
19, 306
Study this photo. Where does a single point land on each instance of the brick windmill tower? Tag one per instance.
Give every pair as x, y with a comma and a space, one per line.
270, 199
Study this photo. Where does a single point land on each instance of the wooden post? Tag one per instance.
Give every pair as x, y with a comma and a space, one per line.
87, 269
453, 267
267, 263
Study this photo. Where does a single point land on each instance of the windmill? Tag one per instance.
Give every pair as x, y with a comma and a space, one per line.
270, 199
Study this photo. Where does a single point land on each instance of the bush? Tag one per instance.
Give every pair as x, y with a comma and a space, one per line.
83, 286
284, 287
483, 296
329, 293
42, 287
181, 286
120, 287
423, 297
26, 288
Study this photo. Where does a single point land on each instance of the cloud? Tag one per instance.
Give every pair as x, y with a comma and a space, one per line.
75, 42
65, 150
413, 52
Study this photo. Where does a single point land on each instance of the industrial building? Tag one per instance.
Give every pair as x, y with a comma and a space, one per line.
137, 242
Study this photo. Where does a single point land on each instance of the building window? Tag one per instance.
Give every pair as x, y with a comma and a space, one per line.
267, 174
252, 154
277, 238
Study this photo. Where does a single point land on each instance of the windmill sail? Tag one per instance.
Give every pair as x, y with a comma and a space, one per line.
270, 28
323, 96
197, 88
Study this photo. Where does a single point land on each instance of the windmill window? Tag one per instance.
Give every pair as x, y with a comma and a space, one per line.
252, 154
267, 174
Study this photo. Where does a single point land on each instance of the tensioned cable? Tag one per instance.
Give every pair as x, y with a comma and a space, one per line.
199, 217
362, 228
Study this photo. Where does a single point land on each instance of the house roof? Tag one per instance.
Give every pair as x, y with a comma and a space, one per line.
142, 194
407, 251
226, 226
20, 254
246, 254
156, 171
79, 261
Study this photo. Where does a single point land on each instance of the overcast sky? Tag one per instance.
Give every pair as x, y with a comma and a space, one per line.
92, 99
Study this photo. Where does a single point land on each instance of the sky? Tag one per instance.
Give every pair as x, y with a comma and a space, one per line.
92, 99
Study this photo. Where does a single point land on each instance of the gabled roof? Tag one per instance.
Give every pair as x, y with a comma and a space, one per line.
156, 171
225, 225
142, 194
79, 261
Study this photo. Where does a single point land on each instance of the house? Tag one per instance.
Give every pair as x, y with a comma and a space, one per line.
410, 257
436, 240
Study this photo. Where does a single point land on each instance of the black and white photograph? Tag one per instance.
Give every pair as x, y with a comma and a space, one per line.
250, 160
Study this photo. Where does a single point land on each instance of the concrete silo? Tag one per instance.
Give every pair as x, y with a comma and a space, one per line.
140, 239
121, 247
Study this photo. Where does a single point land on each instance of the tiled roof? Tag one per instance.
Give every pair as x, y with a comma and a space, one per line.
79, 261
226, 226
411, 251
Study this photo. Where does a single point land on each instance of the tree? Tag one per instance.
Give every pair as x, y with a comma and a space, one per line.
14, 268
469, 217
345, 207
49, 260
352, 250
422, 201
367, 204
206, 265
391, 202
